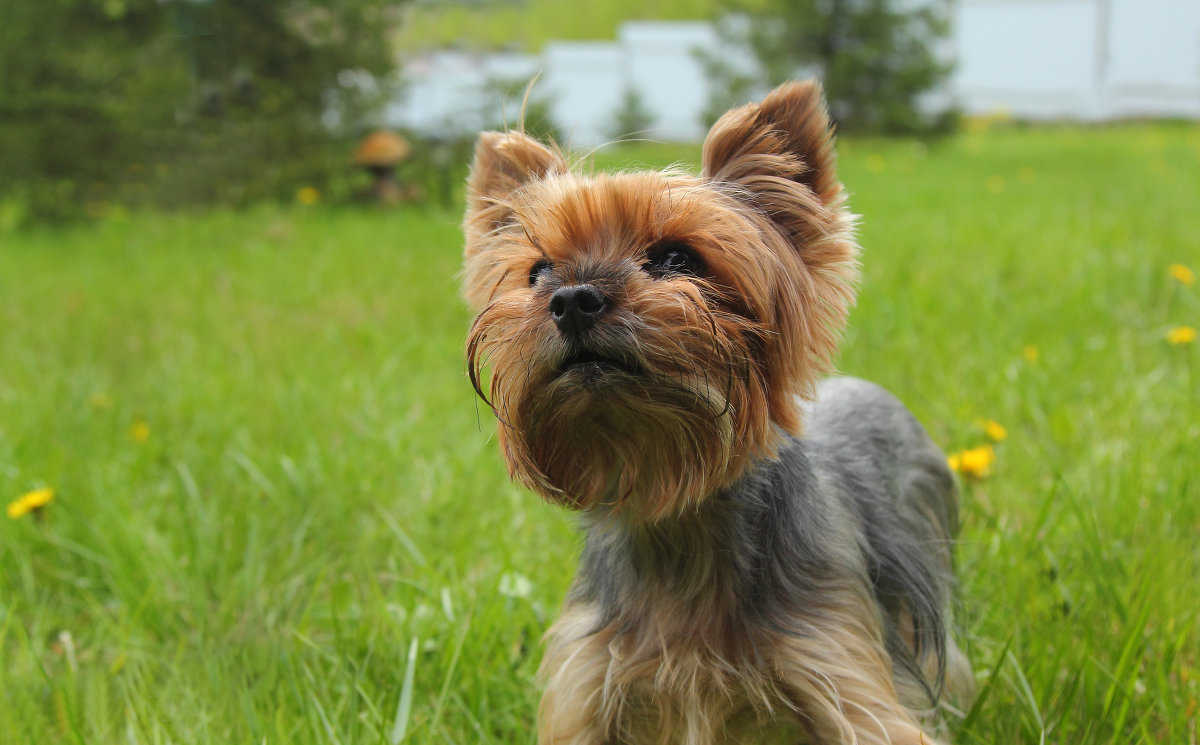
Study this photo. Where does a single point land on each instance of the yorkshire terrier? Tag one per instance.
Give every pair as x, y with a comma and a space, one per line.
768, 559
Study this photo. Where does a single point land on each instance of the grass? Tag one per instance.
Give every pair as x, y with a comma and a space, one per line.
280, 516
528, 25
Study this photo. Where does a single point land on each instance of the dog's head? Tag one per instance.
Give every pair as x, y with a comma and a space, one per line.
647, 333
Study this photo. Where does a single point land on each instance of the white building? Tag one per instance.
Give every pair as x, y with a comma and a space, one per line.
1084, 60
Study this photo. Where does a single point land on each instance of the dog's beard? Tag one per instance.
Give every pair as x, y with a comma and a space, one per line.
656, 409
601, 435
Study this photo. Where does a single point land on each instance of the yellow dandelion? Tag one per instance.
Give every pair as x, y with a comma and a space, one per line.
1182, 274
139, 431
875, 163
994, 430
975, 463
1030, 353
1181, 335
996, 184
308, 195
30, 502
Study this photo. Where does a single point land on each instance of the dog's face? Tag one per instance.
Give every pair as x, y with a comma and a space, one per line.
647, 333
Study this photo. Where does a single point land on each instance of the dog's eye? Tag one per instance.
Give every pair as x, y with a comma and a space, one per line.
537, 270
674, 258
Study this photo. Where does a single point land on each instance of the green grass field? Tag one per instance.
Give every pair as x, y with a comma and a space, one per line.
280, 517
529, 24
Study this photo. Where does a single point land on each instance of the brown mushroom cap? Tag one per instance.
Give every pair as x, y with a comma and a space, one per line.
382, 149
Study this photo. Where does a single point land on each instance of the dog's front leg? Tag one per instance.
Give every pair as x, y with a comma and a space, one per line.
840, 680
574, 669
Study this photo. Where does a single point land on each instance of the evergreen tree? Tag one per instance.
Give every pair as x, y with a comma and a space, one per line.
188, 100
632, 118
876, 59
506, 103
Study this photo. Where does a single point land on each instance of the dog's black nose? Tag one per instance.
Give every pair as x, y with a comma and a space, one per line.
576, 308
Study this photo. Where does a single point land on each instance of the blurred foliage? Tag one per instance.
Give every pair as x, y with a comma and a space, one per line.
877, 59
439, 166
633, 118
518, 103
175, 103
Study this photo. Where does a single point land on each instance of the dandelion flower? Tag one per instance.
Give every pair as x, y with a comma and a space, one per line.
994, 431
30, 502
1182, 274
875, 163
1030, 353
139, 431
308, 195
1181, 335
975, 463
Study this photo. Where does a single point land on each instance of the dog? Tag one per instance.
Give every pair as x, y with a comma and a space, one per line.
768, 556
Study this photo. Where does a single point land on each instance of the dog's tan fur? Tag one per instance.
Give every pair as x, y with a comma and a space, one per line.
764, 300
705, 381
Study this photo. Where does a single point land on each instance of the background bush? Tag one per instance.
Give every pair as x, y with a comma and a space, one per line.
146, 102
878, 60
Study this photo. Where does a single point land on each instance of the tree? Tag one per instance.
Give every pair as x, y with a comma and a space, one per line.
189, 101
507, 102
632, 118
876, 58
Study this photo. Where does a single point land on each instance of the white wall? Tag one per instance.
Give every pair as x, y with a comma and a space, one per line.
1032, 59
663, 67
585, 81
1153, 51
444, 93
1078, 59
1027, 58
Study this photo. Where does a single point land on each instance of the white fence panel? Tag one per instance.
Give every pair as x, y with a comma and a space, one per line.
585, 81
664, 69
1033, 59
1030, 59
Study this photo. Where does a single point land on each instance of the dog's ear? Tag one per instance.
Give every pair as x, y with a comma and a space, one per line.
504, 161
786, 138
776, 157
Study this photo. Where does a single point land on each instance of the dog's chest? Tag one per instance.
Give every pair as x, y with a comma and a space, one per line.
708, 712
699, 689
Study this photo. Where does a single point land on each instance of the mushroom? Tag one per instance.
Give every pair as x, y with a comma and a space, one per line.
379, 153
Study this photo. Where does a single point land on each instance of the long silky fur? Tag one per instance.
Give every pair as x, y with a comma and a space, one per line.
744, 579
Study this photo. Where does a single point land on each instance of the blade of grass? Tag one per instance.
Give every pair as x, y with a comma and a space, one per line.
982, 696
1027, 693
404, 707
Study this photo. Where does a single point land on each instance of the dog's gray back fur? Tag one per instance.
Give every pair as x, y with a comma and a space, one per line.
874, 456
863, 494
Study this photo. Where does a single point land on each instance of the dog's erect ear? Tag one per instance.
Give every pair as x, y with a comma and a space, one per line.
777, 158
786, 136
504, 161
